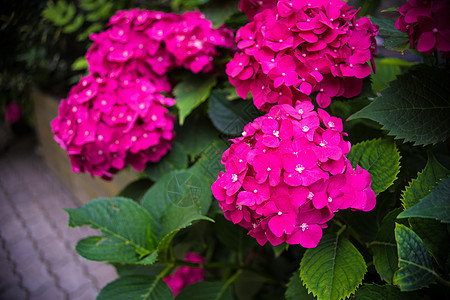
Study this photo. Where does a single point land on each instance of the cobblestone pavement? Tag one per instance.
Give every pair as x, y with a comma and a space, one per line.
37, 256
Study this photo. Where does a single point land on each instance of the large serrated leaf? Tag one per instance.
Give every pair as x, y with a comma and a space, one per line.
415, 107
334, 269
219, 11
192, 91
175, 201
425, 182
230, 117
385, 248
136, 287
415, 264
296, 290
206, 290
380, 158
434, 206
385, 292
122, 240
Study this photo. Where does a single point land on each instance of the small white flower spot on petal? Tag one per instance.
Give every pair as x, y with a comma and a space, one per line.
279, 213
129, 118
244, 133
330, 199
86, 133
305, 128
234, 177
276, 133
100, 152
255, 191
74, 109
133, 138
331, 124
304, 226
141, 106
145, 135
70, 131
283, 74
100, 137
239, 207
310, 195
269, 169
299, 169
154, 118
300, 111
116, 142
104, 102
323, 143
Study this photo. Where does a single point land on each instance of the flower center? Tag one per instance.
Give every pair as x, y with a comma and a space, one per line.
330, 199
255, 191
234, 177
310, 195
305, 128
304, 226
299, 169
276, 133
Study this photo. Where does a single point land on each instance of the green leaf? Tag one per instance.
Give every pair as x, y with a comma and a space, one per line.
191, 92
396, 43
435, 235
122, 240
196, 135
247, 285
232, 236
425, 182
209, 164
385, 248
96, 27
219, 11
136, 189
75, 25
176, 200
136, 287
387, 27
434, 206
385, 73
334, 269
415, 107
415, 264
385, 292
380, 158
59, 14
230, 117
80, 64
206, 290
176, 159
296, 290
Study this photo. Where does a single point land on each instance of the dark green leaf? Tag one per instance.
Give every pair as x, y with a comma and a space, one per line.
209, 164
425, 182
230, 117
334, 269
136, 287
380, 158
176, 200
385, 73
176, 159
434, 206
206, 290
385, 292
247, 285
136, 189
385, 248
387, 27
415, 107
191, 92
415, 264
122, 240
296, 290
396, 43
435, 235
196, 135
232, 236
219, 11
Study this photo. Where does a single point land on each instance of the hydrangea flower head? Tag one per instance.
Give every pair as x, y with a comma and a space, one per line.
184, 275
302, 47
105, 124
288, 175
427, 23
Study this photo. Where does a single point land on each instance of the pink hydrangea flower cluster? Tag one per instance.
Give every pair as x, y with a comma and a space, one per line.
117, 116
288, 174
300, 47
428, 23
184, 275
154, 42
107, 123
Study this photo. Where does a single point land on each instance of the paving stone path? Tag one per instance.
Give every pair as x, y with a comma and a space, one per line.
37, 256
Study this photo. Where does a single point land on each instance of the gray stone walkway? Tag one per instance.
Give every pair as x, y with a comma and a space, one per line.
37, 248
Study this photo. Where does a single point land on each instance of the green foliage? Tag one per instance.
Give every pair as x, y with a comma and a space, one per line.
386, 292
425, 182
296, 290
334, 269
176, 159
415, 107
380, 158
191, 92
206, 290
385, 248
394, 39
136, 287
121, 240
219, 11
230, 117
415, 265
434, 206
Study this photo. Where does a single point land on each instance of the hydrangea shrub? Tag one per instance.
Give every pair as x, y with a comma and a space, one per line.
319, 185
